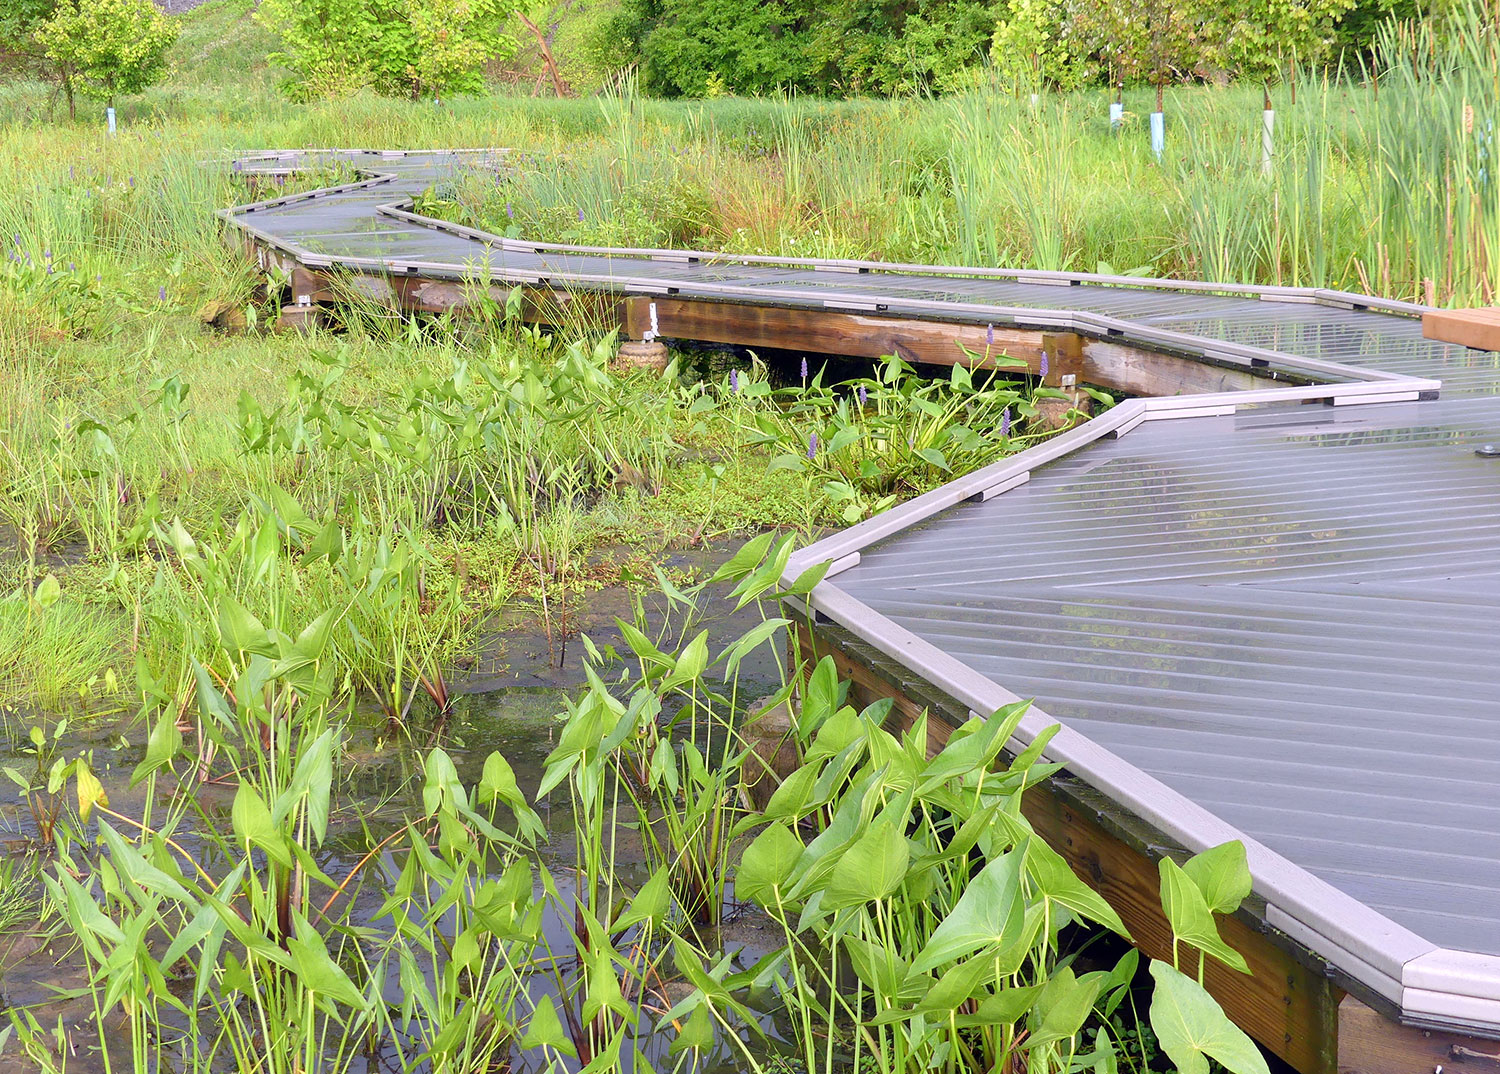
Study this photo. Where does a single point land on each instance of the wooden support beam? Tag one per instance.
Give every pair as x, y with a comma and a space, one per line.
1370, 1043
1114, 366
1286, 1002
1477, 328
1133, 371
828, 332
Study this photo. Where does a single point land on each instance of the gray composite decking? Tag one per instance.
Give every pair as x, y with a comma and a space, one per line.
1255, 618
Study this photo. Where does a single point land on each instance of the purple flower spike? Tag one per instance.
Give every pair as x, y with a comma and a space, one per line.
1043, 367
161, 293
734, 381
71, 267
510, 212
812, 446
71, 175
863, 395
804, 368
580, 216
132, 181
1005, 422
989, 335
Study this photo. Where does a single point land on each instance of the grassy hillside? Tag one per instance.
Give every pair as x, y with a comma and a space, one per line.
221, 45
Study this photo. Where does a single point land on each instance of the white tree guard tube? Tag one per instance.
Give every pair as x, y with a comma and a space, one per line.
1269, 122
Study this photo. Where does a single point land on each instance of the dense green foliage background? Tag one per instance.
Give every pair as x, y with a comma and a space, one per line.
706, 47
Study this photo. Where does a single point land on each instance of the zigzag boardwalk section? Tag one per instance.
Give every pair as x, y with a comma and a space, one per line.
1259, 595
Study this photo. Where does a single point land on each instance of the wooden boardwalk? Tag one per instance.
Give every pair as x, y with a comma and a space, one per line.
1256, 618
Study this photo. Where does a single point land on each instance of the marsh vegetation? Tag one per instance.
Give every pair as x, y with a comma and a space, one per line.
257, 815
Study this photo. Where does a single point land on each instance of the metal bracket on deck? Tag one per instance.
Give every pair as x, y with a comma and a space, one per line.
1125, 427
1190, 412
842, 564
1311, 300
1383, 397
1009, 483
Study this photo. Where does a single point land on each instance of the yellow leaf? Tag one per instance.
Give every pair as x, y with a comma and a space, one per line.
90, 792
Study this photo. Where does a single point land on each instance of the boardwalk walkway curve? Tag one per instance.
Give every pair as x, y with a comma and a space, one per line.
1262, 620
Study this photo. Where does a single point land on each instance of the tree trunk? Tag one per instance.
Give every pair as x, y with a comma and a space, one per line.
67, 85
547, 57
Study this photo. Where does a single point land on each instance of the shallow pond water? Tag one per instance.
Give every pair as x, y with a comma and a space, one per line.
507, 703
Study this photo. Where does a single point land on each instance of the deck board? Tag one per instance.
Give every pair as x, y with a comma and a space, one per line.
1259, 611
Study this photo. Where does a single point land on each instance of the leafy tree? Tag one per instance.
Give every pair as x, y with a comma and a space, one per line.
19, 20
19, 48
1038, 44
101, 47
104, 47
1356, 30
438, 47
690, 47
328, 46
403, 49
899, 46
1257, 37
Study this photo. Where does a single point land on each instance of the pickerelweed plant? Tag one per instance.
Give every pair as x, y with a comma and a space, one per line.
927, 926
924, 925
875, 440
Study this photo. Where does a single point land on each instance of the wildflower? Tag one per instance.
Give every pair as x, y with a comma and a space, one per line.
70, 173
863, 395
804, 368
1042, 371
72, 267
989, 335
734, 381
812, 446
161, 293
132, 182
1005, 422
580, 216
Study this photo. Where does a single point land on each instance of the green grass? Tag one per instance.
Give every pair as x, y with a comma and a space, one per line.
120, 414
56, 657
